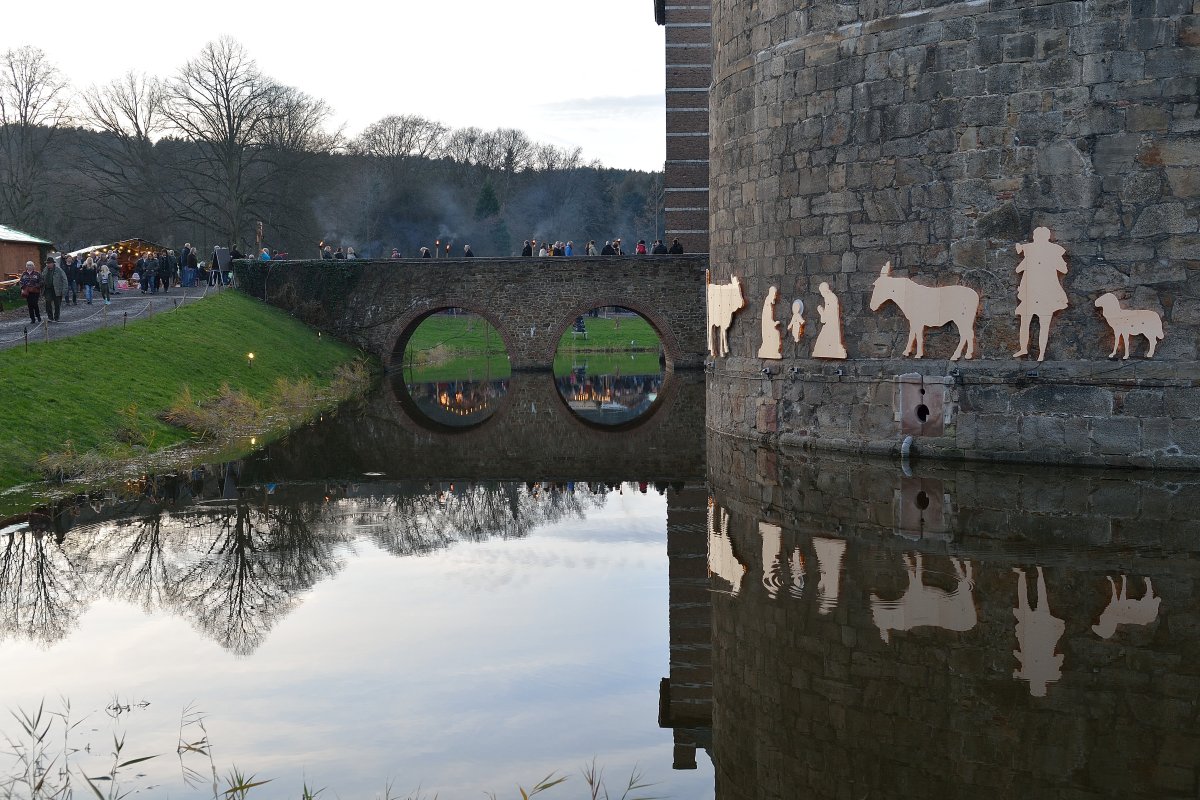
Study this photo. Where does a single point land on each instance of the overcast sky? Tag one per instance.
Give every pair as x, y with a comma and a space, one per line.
565, 71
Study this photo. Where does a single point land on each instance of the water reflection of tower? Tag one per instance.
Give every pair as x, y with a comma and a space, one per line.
685, 698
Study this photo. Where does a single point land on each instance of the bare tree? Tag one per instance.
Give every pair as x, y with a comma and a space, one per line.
33, 109
223, 105
124, 161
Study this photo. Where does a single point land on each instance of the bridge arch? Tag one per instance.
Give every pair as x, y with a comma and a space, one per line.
670, 341
406, 324
530, 302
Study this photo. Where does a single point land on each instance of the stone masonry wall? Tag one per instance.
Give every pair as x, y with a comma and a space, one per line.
810, 700
531, 302
938, 135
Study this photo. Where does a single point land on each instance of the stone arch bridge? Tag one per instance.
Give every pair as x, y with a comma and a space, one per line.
531, 302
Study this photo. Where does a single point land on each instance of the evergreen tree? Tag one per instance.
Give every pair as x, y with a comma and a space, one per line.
488, 205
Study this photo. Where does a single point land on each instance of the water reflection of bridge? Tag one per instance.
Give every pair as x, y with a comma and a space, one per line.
532, 435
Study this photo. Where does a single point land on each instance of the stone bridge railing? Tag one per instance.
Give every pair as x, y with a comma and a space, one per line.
531, 302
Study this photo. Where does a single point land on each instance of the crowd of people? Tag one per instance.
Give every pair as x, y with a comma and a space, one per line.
611, 248
67, 278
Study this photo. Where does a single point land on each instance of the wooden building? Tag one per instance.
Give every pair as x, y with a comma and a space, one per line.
17, 247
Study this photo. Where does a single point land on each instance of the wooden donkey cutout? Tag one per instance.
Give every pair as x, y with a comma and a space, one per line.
929, 307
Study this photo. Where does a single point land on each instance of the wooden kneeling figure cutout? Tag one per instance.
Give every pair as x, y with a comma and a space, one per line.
929, 307
724, 300
772, 335
1127, 323
829, 342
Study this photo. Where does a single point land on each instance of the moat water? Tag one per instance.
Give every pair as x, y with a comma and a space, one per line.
391, 596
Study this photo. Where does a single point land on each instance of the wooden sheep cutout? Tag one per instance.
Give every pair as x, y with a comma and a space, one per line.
796, 323
724, 300
829, 342
1127, 323
929, 307
772, 333
1123, 611
1041, 293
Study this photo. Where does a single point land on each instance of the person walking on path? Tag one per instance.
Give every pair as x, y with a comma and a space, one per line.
87, 279
31, 290
54, 283
71, 268
106, 279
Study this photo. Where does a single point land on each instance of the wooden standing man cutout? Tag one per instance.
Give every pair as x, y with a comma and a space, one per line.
1038, 632
796, 324
829, 342
772, 333
1041, 293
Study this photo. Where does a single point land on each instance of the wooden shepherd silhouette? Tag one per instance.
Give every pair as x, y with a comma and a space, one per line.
1041, 293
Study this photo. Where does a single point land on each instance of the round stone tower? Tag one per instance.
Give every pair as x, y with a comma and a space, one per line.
937, 136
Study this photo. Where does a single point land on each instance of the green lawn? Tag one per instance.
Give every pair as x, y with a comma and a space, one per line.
84, 389
441, 336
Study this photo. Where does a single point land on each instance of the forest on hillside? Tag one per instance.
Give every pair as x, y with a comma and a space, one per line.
206, 155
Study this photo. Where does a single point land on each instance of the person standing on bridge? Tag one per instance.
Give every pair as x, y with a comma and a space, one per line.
676, 248
468, 252
527, 250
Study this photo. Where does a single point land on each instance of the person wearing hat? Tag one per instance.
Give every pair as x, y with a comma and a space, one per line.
54, 283
617, 247
31, 290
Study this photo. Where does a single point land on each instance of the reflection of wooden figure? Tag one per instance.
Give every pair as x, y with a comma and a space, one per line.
1038, 632
796, 324
772, 333
1127, 323
721, 560
1041, 293
929, 307
1123, 611
829, 563
724, 300
772, 559
829, 342
927, 606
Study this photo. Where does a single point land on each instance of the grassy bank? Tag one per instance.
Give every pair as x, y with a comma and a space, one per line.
109, 391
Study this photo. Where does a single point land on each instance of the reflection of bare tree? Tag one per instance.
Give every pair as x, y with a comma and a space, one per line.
235, 569
141, 570
253, 572
421, 522
41, 590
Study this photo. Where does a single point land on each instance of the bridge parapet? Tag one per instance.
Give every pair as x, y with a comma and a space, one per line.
531, 302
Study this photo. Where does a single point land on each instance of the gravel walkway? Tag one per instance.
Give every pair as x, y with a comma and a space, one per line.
127, 307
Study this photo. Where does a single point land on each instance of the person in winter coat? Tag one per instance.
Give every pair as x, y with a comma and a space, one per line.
87, 279
608, 250
106, 279
676, 248
527, 250
54, 286
31, 290
659, 248
70, 266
